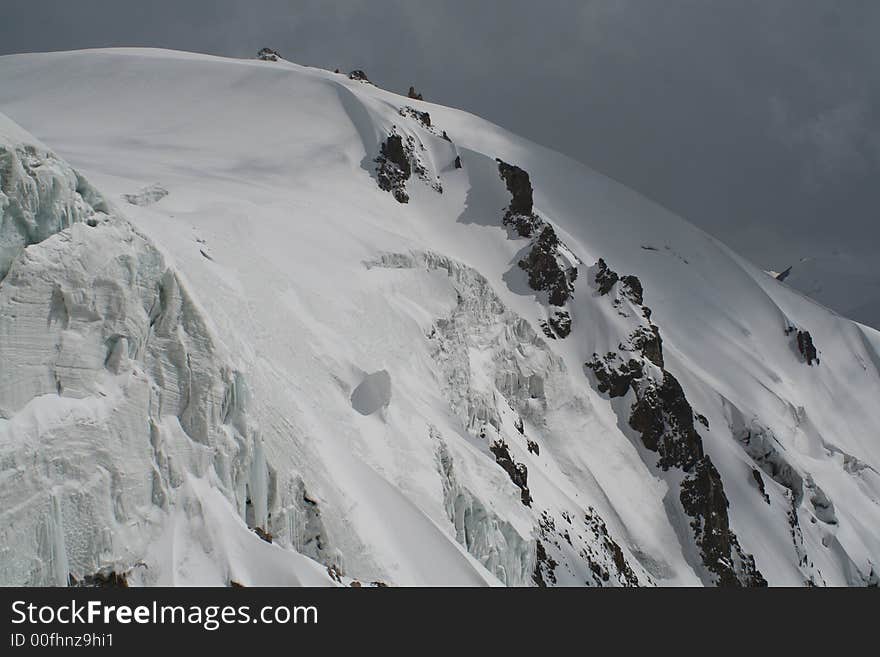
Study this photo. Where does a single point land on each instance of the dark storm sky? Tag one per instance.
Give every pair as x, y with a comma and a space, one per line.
758, 120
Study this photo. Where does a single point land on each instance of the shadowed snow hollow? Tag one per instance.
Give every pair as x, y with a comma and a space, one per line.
373, 393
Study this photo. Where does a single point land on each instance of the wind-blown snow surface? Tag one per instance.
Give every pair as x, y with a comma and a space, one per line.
230, 327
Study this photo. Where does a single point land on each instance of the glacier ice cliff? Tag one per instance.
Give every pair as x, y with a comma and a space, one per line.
114, 395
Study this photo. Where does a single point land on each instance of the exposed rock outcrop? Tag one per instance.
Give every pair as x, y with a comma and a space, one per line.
546, 271
646, 341
630, 286
807, 348
563, 544
519, 214
545, 567
359, 76
550, 265
615, 376
518, 472
102, 579
664, 419
605, 277
268, 55
263, 534
422, 117
803, 343
397, 162
424, 121
559, 324
759, 482
602, 567
393, 167
703, 499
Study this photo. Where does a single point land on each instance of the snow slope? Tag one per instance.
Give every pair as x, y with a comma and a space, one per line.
245, 332
844, 280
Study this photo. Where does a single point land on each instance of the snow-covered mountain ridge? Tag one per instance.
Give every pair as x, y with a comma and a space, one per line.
268, 302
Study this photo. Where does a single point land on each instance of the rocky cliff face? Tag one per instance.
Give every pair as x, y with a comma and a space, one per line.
664, 420
550, 264
546, 273
393, 167
519, 214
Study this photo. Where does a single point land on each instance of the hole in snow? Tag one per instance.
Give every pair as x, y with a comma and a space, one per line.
373, 393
